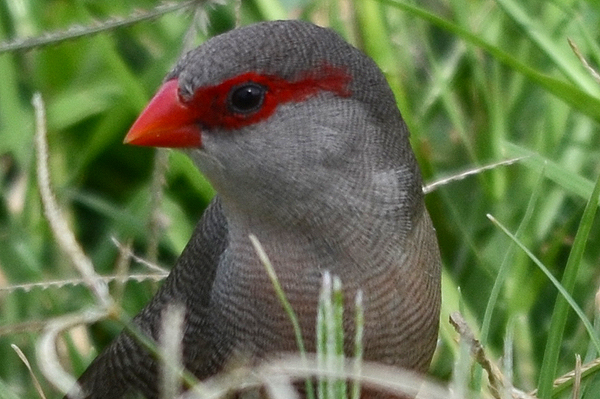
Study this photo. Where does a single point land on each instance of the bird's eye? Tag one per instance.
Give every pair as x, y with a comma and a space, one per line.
246, 98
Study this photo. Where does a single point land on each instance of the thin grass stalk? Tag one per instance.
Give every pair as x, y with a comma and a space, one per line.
310, 393
322, 325
76, 32
556, 51
591, 352
561, 307
503, 272
340, 385
587, 324
553, 170
359, 322
330, 344
330, 338
171, 351
460, 374
62, 232
570, 94
507, 360
188, 379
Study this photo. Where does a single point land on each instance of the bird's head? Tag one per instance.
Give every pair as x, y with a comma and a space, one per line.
282, 111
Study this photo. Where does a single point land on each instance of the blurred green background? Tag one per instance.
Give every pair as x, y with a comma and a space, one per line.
477, 81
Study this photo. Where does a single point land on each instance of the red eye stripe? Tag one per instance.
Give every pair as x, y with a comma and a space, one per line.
210, 108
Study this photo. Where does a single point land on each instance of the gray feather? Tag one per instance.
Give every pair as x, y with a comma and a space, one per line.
328, 183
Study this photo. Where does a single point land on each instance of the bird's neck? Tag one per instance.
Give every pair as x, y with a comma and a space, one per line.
350, 235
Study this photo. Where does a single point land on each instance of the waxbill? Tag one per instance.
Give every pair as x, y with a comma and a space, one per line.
300, 135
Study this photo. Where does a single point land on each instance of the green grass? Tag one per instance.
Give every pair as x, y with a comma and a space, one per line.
477, 82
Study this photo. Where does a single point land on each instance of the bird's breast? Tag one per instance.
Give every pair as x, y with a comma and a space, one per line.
400, 322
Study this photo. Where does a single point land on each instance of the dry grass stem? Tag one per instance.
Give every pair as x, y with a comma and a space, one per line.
170, 348
277, 373
587, 66
497, 381
280, 387
46, 353
139, 277
495, 376
580, 372
373, 375
23, 358
122, 269
47, 357
577, 381
428, 188
77, 31
62, 233
224, 384
138, 259
358, 343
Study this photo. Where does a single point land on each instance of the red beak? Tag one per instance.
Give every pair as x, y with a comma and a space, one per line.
166, 122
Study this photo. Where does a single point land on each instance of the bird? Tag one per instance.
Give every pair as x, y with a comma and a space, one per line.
300, 136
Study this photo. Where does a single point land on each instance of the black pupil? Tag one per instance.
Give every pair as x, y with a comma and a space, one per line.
247, 98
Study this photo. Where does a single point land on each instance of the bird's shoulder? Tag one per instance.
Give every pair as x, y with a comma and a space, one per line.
190, 281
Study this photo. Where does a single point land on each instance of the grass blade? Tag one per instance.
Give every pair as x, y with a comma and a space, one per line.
565, 295
571, 95
561, 307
